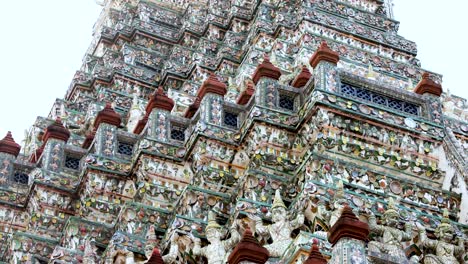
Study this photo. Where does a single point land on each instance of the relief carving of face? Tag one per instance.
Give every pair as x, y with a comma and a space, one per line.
391, 220
445, 234
278, 214
213, 235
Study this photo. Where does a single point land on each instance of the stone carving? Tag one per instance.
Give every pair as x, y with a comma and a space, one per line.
445, 250
392, 236
281, 229
218, 250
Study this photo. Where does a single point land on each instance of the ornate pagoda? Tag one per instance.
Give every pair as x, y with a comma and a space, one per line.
242, 131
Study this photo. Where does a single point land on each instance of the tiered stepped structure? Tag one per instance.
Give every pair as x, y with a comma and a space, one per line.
242, 131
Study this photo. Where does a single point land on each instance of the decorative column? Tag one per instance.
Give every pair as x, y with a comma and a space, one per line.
211, 101
324, 62
9, 150
248, 251
265, 93
348, 237
159, 106
55, 137
157, 111
315, 257
431, 91
105, 127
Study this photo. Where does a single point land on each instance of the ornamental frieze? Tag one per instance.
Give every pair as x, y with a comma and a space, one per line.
26, 247
322, 171
356, 13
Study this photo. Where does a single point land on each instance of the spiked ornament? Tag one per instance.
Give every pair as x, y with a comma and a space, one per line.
278, 201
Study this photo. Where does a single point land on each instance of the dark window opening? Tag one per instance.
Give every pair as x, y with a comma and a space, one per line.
366, 95
411, 109
348, 90
72, 163
125, 148
230, 119
286, 102
394, 104
20, 177
178, 133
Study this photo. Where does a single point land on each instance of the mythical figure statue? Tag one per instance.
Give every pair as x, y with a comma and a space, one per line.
118, 253
445, 251
391, 236
218, 250
281, 229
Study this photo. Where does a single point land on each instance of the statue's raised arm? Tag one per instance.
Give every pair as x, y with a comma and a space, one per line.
281, 229
391, 237
446, 251
218, 250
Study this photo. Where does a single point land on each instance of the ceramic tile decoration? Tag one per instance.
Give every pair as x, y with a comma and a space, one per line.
242, 131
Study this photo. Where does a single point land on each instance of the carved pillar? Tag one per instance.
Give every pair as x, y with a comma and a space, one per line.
324, 62
157, 111
9, 150
431, 91
211, 95
348, 237
265, 93
105, 125
248, 251
55, 137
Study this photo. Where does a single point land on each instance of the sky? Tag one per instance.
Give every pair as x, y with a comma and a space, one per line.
43, 42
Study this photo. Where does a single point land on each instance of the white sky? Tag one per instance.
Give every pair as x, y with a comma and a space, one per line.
42, 44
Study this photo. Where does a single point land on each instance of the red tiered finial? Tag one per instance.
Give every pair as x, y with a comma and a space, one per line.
155, 257
8, 145
159, 100
427, 85
212, 85
108, 116
315, 257
56, 130
248, 250
324, 53
140, 125
266, 69
246, 94
192, 109
302, 78
348, 225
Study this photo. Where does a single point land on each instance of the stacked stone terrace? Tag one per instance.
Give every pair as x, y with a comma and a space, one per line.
182, 108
